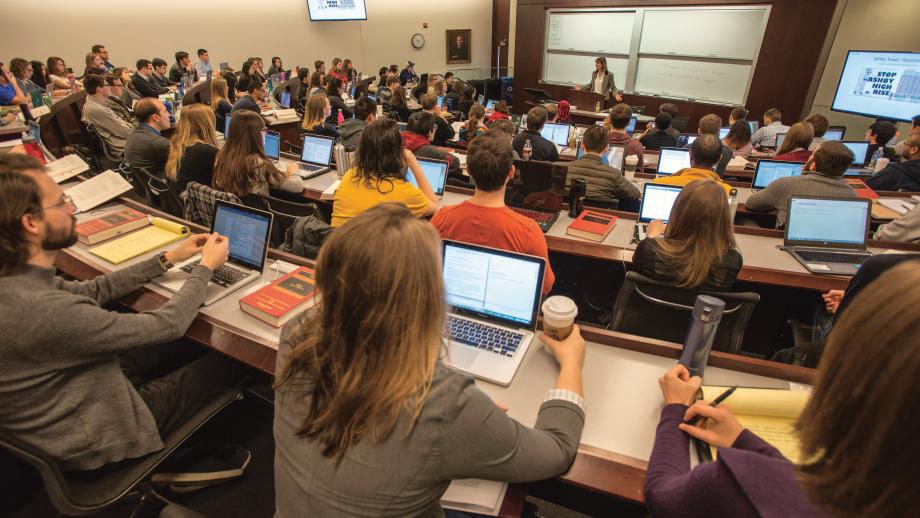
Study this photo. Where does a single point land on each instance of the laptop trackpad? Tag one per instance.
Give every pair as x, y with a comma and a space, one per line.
462, 356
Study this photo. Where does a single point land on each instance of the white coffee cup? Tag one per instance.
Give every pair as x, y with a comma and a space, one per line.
631, 162
881, 163
559, 316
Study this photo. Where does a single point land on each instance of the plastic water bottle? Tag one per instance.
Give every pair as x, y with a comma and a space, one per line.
879, 153
528, 150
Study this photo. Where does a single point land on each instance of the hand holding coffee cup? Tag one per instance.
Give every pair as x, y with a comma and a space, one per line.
558, 316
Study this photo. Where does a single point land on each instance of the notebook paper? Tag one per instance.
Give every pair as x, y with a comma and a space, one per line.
161, 233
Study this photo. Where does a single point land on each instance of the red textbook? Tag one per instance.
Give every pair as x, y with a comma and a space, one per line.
592, 225
279, 301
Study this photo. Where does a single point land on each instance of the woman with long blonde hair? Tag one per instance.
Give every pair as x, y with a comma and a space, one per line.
697, 248
368, 422
193, 148
314, 118
220, 102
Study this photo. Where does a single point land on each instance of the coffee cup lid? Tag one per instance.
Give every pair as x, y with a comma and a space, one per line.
632, 158
560, 307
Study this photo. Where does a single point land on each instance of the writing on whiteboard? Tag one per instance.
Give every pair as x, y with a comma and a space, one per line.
556, 23
691, 72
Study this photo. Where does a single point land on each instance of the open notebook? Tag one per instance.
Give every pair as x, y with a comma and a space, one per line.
769, 413
160, 233
475, 496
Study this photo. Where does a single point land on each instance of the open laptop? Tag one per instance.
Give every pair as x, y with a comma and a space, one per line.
490, 105
828, 235
248, 231
672, 160
859, 148
780, 137
835, 133
723, 132
754, 126
481, 99
657, 200
285, 100
537, 191
556, 133
435, 171
769, 170
685, 139
271, 141
615, 156
316, 157
494, 297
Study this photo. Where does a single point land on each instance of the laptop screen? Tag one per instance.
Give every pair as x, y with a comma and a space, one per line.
481, 99
248, 232
828, 221
859, 149
614, 157
490, 105
631, 127
435, 171
833, 133
271, 141
556, 133
723, 132
780, 137
317, 150
537, 185
493, 284
769, 170
657, 201
685, 139
440, 101
226, 126
754, 125
672, 160
285, 99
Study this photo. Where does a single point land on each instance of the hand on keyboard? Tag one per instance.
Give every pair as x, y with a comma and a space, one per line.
215, 251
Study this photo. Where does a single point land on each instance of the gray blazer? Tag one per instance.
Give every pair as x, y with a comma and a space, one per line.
111, 128
147, 149
608, 88
459, 434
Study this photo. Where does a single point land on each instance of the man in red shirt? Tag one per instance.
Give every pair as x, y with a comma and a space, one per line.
484, 219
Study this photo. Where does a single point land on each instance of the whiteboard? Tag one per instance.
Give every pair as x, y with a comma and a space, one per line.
723, 33
699, 80
568, 68
601, 32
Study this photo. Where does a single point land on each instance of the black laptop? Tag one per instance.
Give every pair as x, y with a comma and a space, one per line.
537, 191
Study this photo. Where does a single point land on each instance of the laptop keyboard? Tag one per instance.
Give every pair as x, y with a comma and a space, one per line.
831, 257
483, 336
539, 217
224, 276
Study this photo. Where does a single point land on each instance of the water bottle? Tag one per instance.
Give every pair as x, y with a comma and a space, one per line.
732, 204
879, 153
179, 90
340, 118
597, 107
528, 150
342, 160
707, 313
577, 197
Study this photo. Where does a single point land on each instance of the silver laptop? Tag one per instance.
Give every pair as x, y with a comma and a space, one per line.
316, 157
494, 297
859, 149
767, 171
558, 134
657, 200
271, 142
828, 235
248, 231
835, 133
436, 173
780, 137
672, 160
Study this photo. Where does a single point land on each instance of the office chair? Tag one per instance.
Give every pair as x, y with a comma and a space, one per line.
602, 203
99, 145
159, 192
285, 214
655, 310
82, 493
680, 123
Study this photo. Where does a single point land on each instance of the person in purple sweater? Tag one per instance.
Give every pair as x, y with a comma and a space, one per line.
857, 432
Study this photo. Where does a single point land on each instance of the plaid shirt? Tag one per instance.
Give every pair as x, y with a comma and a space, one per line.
200, 201
766, 136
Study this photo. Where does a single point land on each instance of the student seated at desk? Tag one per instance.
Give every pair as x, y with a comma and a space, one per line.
796, 145
385, 94
95, 65
772, 125
203, 65
276, 68
738, 113
193, 149
672, 110
852, 432
10, 94
563, 113
250, 98
303, 88
506, 129
901, 176
739, 139
697, 248
334, 90
241, 166
368, 421
317, 84
443, 130
182, 68
878, 135
819, 124
541, 149
337, 72
705, 153
379, 176
142, 80
146, 148
315, 115
467, 100
408, 75
905, 228
659, 137
111, 128
60, 77
501, 111
603, 180
398, 107
616, 123
350, 130
220, 101
87, 386
473, 127
250, 73
160, 75
709, 125
484, 219
122, 89
823, 176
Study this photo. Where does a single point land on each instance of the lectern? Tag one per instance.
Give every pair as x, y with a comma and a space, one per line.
587, 101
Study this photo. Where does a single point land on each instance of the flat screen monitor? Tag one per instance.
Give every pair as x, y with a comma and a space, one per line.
672, 160
754, 126
835, 133
769, 170
285, 100
859, 148
879, 84
336, 10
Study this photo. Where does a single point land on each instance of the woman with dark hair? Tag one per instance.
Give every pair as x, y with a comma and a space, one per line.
241, 166
348, 70
739, 138
398, 105
379, 176
39, 74
500, 111
334, 90
59, 76
250, 73
337, 71
602, 81
276, 68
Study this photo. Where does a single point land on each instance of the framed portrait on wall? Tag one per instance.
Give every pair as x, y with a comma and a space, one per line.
458, 46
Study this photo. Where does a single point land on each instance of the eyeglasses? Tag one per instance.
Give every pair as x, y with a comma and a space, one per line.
65, 200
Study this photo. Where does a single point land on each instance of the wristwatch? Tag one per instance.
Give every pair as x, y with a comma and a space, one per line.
164, 262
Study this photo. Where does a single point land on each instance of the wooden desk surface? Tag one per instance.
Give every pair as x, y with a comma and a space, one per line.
621, 375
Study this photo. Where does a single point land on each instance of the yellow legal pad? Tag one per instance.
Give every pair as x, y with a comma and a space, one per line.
769, 413
161, 233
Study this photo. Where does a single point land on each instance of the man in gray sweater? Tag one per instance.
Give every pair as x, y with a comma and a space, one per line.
83, 384
823, 177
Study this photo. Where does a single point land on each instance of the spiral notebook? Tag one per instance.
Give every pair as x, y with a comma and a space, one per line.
160, 233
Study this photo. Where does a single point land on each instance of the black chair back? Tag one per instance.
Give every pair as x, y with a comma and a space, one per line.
160, 194
286, 213
655, 310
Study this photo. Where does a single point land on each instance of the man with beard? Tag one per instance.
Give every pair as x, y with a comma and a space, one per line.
83, 384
